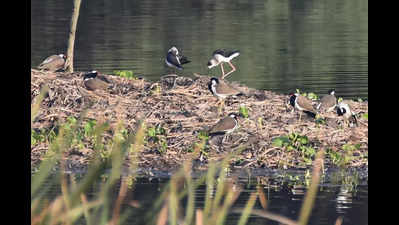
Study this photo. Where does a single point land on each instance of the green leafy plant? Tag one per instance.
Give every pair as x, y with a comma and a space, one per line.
243, 111
365, 116
294, 141
309, 95
342, 158
125, 73
312, 96
156, 135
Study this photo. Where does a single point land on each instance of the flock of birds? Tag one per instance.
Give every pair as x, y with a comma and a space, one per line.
218, 88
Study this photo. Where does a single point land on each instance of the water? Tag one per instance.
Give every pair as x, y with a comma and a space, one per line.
311, 45
284, 195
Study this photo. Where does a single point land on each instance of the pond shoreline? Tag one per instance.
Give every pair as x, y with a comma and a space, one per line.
179, 115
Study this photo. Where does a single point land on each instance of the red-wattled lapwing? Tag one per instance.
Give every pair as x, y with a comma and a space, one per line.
328, 102
221, 90
302, 103
53, 63
225, 126
93, 82
174, 59
344, 110
219, 57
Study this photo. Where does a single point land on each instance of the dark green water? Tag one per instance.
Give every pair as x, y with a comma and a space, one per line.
311, 45
340, 194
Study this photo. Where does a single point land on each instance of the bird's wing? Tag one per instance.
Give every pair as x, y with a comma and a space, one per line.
50, 58
328, 101
220, 52
224, 124
232, 54
183, 60
173, 59
305, 103
224, 88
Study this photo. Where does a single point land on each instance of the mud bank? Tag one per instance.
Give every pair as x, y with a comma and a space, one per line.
182, 107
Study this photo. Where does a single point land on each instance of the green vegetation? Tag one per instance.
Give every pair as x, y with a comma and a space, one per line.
156, 135
126, 74
243, 111
310, 95
344, 157
115, 147
296, 142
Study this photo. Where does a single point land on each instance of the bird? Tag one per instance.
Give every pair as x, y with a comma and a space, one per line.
344, 110
53, 63
225, 126
302, 103
92, 81
221, 90
220, 56
327, 102
174, 59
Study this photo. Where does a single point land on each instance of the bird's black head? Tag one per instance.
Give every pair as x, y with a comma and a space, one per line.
340, 110
331, 92
89, 75
292, 99
214, 81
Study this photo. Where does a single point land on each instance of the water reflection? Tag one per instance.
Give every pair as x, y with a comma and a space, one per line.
344, 199
284, 45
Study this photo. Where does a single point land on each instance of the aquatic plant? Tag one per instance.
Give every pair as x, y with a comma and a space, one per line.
157, 136
309, 95
243, 110
125, 73
295, 141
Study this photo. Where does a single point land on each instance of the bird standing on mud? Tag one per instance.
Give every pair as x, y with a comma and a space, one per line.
225, 126
53, 63
328, 102
221, 90
219, 57
302, 103
174, 59
344, 110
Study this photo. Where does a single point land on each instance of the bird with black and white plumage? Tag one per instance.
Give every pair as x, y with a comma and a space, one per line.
222, 90
221, 56
93, 81
302, 103
344, 110
53, 63
328, 102
225, 126
174, 59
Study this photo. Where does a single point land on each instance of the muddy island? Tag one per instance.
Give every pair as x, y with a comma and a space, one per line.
177, 112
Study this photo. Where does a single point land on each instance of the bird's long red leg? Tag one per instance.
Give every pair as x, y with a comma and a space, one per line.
221, 66
233, 69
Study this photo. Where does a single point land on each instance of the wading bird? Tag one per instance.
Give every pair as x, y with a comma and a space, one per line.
93, 82
328, 102
53, 63
344, 110
221, 90
221, 56
174, 59
302, 103
225, 126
